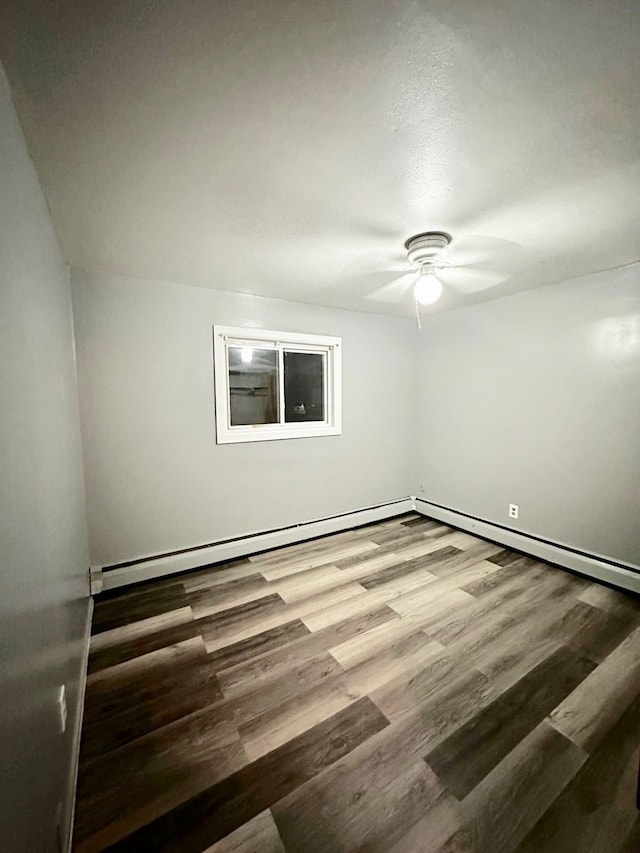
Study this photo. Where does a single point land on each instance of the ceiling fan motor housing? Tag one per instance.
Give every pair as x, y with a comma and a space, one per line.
425, 248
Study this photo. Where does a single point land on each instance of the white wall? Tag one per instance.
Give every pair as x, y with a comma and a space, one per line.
43, 541
534, 399
157, 481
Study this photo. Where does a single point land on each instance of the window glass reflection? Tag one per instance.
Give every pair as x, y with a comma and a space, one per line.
304, 386
253, 386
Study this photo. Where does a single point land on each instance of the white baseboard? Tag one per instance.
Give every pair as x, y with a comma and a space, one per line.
157, 567
95, 579
77, 731
552, 552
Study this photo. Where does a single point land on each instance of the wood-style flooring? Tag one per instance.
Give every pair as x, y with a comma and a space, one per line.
398, 687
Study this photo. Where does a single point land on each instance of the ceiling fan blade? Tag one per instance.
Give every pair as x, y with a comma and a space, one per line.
467, 280
365, 283
395, 290
375, 261
475, 248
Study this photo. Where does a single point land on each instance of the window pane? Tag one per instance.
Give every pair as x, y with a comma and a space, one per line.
304, 386
253, 386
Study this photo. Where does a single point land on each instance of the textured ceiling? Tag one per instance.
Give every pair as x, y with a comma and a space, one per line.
289, 148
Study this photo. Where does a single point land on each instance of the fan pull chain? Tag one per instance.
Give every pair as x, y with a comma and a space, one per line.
417, 311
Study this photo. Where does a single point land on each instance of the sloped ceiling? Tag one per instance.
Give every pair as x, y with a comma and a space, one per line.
289, 148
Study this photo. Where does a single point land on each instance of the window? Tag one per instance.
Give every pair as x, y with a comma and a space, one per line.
271, 385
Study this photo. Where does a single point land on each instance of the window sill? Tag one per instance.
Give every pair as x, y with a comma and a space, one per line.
258, 433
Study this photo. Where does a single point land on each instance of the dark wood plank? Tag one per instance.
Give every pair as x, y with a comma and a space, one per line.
491, 582
594, 632
503, 808
125, 789
596, 705
258, 644
505, 557
125, 651
611, 600
150, 587
222, 808
228, 592
470, 753
518, 636
366, 801
258, 835
397, 544
384, 576
146, 705
240, 616
113, 613
454, 562
139, 671
596, 809
405, 567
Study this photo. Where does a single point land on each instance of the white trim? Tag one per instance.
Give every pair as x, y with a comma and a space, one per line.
77, 732
247, 335
157, 567
332, 346
95, 580
552, 552
281, 414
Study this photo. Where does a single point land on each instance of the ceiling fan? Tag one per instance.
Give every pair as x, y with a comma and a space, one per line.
434, 259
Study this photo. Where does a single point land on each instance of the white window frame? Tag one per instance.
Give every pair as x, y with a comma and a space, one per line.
225, 336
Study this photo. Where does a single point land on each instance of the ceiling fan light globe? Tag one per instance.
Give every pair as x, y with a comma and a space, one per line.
428, 289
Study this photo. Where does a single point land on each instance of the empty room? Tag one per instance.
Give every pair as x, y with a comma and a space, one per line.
320, 433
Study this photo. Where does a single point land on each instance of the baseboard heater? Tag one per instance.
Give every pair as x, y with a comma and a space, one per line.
622, 575
104, 578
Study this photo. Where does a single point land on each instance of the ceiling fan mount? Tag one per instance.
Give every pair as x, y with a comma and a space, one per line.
425, 248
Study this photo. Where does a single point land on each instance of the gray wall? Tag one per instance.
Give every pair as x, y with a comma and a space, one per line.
534, 399
156, 479
43, 542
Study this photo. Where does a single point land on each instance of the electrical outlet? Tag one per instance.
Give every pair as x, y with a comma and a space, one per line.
513, 510
62, 708
421, 488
